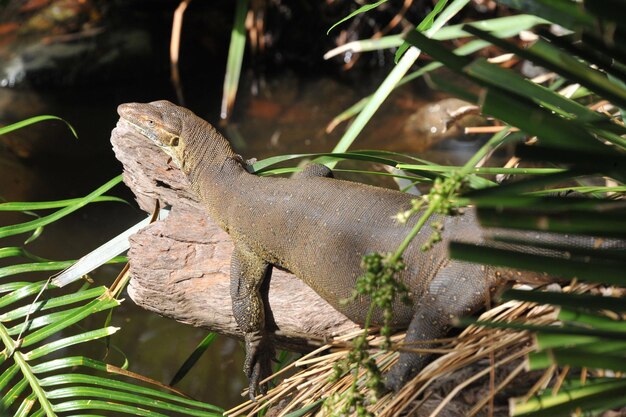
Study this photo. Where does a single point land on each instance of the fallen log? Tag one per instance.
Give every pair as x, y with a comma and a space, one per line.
180, 266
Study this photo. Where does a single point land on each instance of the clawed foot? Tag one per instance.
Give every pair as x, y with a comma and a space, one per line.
408, 366
258, 364
394, 380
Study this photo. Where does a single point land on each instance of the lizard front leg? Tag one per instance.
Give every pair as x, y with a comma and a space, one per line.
247, 273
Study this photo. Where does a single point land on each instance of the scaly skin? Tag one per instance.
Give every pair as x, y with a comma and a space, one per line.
318, 228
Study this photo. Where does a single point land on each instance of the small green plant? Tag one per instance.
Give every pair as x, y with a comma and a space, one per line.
378, 283
41, 327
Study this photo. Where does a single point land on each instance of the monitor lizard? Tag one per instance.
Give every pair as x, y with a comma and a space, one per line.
318, 228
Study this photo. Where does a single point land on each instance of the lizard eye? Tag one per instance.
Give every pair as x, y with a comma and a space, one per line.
150, 123
174, 141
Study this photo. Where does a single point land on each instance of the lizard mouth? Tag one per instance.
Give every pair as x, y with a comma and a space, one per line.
150, 134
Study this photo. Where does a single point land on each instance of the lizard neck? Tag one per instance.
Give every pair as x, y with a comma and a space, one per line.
213, 169
205, 149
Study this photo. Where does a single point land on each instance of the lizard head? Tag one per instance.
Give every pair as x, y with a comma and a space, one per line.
190, 141
161, 122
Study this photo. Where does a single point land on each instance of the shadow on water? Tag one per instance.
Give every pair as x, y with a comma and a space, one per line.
45, 162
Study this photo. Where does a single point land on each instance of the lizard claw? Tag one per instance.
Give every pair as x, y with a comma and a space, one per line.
258, 363
407, 368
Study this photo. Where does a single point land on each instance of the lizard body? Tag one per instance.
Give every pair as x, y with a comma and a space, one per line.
318, 228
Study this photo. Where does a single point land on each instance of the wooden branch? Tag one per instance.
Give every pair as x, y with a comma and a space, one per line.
180, 266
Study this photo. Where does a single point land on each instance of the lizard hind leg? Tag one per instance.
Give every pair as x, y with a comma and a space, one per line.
457, 290
248, 271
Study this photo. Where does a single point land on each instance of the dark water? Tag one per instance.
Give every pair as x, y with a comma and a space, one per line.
288, 115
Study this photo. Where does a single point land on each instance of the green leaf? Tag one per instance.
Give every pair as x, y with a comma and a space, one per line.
568, 331
424, 25
46, 406
584, 357
76, 378
69, 362
570, 14
593, 320
38, 322
90, 308
21, 293
31, 225
26, 406
18, 251
13, 394
69, 341
262, 165
547, 55
358, 11
33, 120
235, 58
610, 223
526, 185
48, 266
8, 375
106, 406
547, 341
479, 170
193, 358
114, 397
53, 303
552, 130
587, 271
594, 395
43, 205
34, 267
543, 205
570, 43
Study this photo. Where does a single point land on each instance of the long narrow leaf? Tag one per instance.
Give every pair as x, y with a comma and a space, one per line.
568, 400
116, 396
31, 225
53, 303
117, 409
424, 25
26, 406
21, 293
92, 307
34, 323
44, 205
194, 357
69, 341
9, 398
235, 58
358, 11
588, 271
75, 378
21, 360
33, 120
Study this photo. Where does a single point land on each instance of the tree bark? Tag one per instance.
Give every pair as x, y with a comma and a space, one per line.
180, 266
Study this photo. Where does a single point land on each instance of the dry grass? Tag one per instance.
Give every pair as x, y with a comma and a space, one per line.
481, 350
